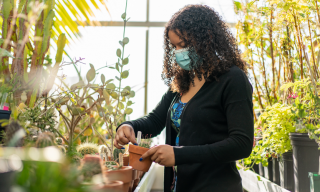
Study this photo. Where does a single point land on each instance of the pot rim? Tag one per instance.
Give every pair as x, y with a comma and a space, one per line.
137, 149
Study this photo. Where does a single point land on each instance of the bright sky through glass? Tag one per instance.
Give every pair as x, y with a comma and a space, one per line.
98, 45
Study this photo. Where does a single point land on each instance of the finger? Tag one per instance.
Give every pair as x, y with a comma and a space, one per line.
115, 143
130, 135
154, 157
149, 153
122, 138
119, 144
158, 160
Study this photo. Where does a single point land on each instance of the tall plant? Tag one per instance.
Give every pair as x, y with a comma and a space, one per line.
25, 60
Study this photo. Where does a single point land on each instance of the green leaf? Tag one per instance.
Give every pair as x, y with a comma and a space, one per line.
111, 86
125, 74
114, 95
60, 44
123, 16
110, 108
129, 103
132, 94
128, 111
103, 78
127, 88
125, 40
91, 74
5, 53
121, 105
118, 52
125, 61
238, 5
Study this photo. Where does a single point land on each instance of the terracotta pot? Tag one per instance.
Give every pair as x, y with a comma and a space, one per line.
135, 184
126, 160
134, 177
140, 174
124, 174
135, 153
114, 186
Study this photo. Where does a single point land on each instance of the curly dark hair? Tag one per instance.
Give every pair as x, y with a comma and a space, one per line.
203, 30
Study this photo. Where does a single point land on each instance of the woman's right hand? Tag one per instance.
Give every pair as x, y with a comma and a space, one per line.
125, 134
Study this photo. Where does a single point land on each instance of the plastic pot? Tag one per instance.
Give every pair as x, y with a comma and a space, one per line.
268, 170
135, 153
123, 174
261, 170
314, 182
275, 171
305, 160
255, 168
6, 180
286, 171
4, 115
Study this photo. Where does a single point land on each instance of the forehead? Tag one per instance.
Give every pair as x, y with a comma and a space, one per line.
174, 38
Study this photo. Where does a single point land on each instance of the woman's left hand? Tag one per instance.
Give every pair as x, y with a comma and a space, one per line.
161, 154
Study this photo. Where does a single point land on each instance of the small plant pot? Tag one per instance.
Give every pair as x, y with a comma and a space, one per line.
275, 171
6, 180
268, 170
126, 160
114, 186
4, 115
305, 159
134, 177
314, 182
135, 152
286, 171
123, 174
261, 170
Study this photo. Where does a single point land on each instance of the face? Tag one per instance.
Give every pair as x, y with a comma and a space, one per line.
175, 40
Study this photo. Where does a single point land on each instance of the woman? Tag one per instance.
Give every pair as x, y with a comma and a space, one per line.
207, 110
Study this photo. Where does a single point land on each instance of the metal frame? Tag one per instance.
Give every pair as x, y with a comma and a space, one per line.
147, 24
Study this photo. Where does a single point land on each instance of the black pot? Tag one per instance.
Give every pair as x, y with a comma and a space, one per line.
261, 170
286, 171
255, 168
305, 159
275, 171
3, 115
268, 173
6, 180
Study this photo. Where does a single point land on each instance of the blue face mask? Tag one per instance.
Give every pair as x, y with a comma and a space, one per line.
183, 60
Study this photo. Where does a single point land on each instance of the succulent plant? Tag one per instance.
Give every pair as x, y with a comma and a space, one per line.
88, 148
11, 129
59, 141
51, 135
91, 166
44, 141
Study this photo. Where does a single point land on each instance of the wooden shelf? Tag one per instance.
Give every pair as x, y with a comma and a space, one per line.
251, 183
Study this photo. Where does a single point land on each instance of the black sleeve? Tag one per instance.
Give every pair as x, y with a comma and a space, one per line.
238, 108
153, 123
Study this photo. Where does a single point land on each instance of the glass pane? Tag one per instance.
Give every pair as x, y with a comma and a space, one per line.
98, 46
136, 10
164, 9
156, 86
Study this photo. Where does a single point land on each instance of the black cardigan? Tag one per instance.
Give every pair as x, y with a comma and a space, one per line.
216, 130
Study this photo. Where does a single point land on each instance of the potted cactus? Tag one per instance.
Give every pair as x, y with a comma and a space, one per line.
88, 148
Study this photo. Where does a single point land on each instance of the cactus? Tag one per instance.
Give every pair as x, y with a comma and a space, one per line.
51, 135
91, 166
88, 148
76, 159
62, 148
44, 140
116, 153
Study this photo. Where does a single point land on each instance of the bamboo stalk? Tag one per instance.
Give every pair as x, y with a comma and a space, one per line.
300, 47
264, 72
272, 56
315, 68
